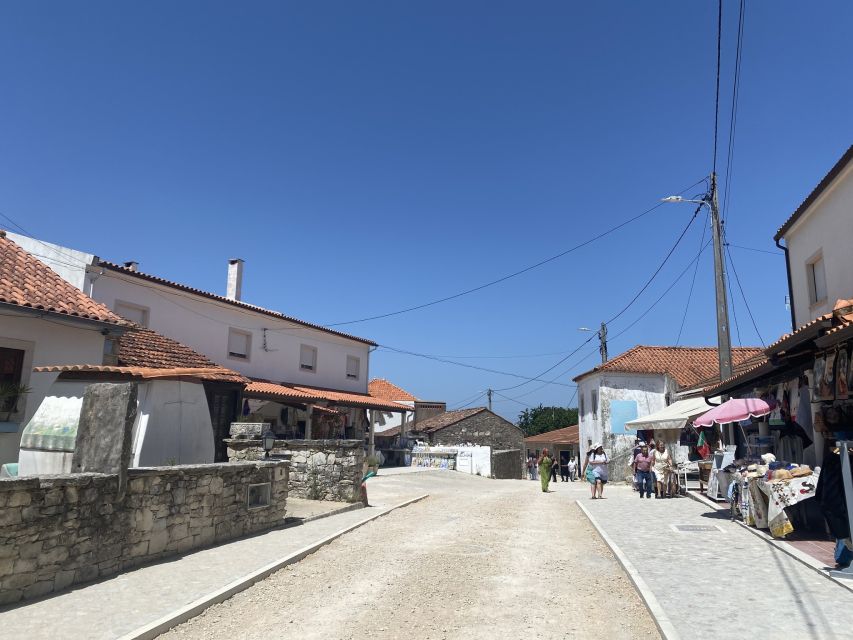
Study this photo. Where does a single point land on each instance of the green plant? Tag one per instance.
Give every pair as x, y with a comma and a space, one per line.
313, 491
10, 393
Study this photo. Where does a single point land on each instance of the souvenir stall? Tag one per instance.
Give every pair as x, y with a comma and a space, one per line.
434, 457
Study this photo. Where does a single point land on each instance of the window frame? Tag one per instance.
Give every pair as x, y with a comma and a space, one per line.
357, 375
233, 355
28, 347
593, 401
313, 350
811, 279
581, 407
146, 311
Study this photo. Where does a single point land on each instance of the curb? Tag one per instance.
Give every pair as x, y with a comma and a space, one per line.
781, 545
355, 506
154, 629
662, 621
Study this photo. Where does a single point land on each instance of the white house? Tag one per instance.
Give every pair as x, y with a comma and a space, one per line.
386, 390
639, 382
302, 375
43, 320
818, 237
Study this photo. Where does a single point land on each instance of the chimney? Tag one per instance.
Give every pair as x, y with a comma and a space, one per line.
426, 410
133, 265
235, 279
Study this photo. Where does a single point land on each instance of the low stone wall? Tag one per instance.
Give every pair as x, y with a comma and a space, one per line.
56, 531
319, 469
505, 465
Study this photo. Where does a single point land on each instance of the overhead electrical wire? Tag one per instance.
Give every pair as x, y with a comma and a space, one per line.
734, 311
717, 98
745, 301
510, 275
772, 253
733, 117
692, 282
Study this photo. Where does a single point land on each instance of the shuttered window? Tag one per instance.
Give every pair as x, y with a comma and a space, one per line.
353, 367
133, 312
307, 358
239, 344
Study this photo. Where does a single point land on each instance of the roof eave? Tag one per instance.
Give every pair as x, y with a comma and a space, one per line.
111, 327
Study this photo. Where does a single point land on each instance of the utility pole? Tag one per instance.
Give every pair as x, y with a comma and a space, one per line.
602, 339
489, 392
724, 342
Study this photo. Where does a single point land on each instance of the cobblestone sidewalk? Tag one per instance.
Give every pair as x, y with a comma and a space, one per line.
714, 579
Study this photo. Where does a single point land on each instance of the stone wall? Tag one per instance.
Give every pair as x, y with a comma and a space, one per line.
56, 531
505, 464
319, 469
487, 429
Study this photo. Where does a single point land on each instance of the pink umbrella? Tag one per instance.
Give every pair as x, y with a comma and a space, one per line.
734, 410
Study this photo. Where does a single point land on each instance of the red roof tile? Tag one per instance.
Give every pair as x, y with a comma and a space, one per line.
303, 394
444, 420
27, 282
142, 373
566, 435
237, 303
688, 366
385, 390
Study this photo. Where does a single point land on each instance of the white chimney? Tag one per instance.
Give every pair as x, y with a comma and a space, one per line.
235, 279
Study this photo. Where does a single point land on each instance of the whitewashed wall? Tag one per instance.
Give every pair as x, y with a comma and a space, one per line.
45, 343
203, 324
826, 227
70, 264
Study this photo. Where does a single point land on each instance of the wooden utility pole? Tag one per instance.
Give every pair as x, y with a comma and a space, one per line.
490, 399
724, 342
602, 342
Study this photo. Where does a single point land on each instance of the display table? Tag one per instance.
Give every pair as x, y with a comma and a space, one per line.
768, 499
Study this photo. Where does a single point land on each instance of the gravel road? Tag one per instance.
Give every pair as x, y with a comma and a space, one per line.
479, 558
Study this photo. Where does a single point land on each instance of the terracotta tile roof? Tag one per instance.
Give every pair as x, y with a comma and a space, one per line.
741, 367
566, 435
816, 192
686, 365
385, 390
27, 282
142, 347
142, 373
237, 303
444, 420
303, 394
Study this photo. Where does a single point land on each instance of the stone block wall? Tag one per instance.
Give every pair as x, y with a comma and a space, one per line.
486, 429
319, 469
505, 464
56, 531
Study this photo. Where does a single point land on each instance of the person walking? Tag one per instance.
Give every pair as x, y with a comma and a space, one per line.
573, 470
564, 470
595, 470
662, 467
530, 465
546, 463
643, 471
555, 464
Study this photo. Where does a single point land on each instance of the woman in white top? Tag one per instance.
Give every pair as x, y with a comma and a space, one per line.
596, 462
662, 466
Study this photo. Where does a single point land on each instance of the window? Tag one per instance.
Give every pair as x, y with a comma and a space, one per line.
239, 344
11, 372
133, 312
353, 367
307, 358
593, 401
581, 411
817, 280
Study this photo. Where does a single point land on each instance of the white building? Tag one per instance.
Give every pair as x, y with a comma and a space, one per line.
386, 390
44, 321
818, 237
639, 382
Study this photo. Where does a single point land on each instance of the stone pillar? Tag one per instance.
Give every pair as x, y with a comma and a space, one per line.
310, 410
402, 428
371, 448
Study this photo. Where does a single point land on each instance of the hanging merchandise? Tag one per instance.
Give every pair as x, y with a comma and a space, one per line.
827, 385
817, 378
842, 390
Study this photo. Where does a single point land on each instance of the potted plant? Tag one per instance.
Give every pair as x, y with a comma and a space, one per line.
10, 393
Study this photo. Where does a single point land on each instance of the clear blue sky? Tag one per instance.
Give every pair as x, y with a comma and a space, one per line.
367, 156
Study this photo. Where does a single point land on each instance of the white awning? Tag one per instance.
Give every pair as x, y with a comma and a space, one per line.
675, 416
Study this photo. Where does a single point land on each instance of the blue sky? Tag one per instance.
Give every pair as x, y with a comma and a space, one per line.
365, 157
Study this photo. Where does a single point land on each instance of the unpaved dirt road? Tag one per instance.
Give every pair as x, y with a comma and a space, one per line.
477, 559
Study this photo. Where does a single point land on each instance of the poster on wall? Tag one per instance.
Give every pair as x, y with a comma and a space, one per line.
842, 390
817, 376
827, 387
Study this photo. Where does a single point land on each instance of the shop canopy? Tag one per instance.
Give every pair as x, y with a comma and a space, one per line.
675, 416
734, 410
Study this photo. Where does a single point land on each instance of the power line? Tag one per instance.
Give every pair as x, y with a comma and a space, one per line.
734, 311
511, 275
772, 253
745, 301
693, 281
733, 117
717, 99
514, 357
468, 404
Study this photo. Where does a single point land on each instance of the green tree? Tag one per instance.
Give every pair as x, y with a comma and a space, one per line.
541, 419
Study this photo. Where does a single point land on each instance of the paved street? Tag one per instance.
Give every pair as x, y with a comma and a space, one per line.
725, 580
478, 559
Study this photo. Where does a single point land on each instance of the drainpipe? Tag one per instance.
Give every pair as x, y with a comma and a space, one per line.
790, 286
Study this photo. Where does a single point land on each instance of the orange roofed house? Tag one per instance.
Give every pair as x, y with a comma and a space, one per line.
642, 381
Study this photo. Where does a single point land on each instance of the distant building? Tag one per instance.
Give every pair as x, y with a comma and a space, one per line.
385, 390
561, 443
